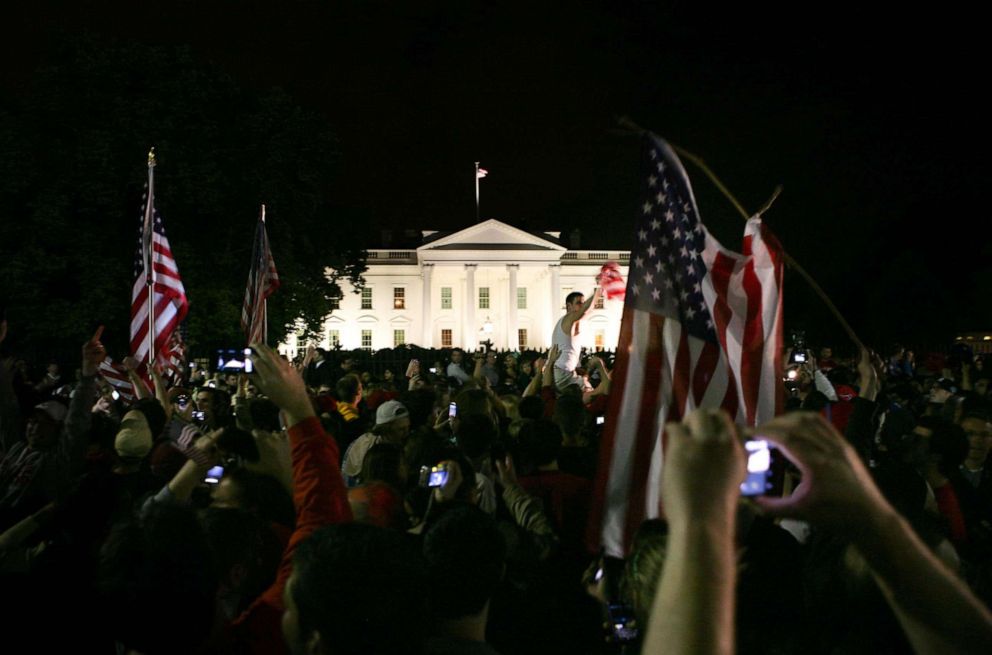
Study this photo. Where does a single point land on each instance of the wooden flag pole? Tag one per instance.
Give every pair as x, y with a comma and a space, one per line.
786, 257
265, 302
149, 247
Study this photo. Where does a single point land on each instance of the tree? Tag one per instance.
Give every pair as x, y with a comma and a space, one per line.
71, 173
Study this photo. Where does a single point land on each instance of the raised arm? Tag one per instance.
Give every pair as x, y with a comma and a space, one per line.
581, 312
936, 610
693, 611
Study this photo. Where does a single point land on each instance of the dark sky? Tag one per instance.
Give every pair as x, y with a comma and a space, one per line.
872, 122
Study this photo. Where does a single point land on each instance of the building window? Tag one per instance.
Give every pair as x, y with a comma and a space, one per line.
446, 338
399, 298
522, 339
367, 339
599, 302
335, 301
521, 297
445, 297
600, 340
334, 338
483, 297
399, 337
366, 297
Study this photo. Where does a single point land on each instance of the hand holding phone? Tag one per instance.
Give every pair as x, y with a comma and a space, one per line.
759, 465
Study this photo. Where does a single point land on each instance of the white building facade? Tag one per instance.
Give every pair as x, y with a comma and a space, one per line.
489, 282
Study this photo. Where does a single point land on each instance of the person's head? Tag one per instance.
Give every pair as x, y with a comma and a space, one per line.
942, 390
153, 412
826, 353
982, 386
540, 442
215, 404
570, 416
470, 402
384, 462
257, 493
388, 375
476, 435
946, 443
574, 302
977, 428
511, 404
527, 367
642, 570
134, 438
456, 356
509, 361
392, 422
349, 389
237, 541
182, 403
45, 423
531, 407
465, 554
491, 358
347, 364
355, 589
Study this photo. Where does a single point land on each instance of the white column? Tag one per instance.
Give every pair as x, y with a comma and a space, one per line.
511, 313
426, 298
469, 328
554, 309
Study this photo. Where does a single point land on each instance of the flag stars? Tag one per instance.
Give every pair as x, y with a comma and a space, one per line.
690, 312
651, 251
661, 198
643, 235
647, 207
656, 294
639, 261
655, 224
652, 181
648, 277
669, 216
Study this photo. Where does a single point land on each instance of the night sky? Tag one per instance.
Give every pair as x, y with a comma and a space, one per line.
872, 122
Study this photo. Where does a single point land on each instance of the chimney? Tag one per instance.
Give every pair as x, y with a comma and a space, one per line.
575, 239
387, 238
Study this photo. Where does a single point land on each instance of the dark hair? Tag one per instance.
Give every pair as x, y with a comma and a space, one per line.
570, 298
531, 407
263, 496
570, 415
149, 567
240, 541
154, 414
465, 553
382, 463
420, 403
347, 388
476, 434
540, 441
362, 588
264, 414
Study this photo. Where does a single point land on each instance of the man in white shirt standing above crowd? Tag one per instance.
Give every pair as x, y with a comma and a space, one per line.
565, 336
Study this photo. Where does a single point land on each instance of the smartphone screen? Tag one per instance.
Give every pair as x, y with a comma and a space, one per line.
600, 420
759, 463
214, 475
621, 623
452, 410
438, 477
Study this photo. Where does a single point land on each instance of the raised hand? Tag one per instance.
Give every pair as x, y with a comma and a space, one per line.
281, 383
93, 353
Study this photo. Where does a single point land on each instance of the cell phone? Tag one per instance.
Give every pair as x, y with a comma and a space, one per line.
452, 410
759, 466
211, 383
432, 369
600, 420
433, 476
214, 474
199, 416
235, 360
115, 395
623, 626
800, 358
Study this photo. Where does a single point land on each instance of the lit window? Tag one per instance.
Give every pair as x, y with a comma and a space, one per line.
600, 340
367, 339
521, 297
483, 297
366, 298
334, 338
522, 339
399, 337
399, 298
445, 297
446, 338
599, 303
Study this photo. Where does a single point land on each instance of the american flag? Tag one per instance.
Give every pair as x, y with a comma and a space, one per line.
116, 375
702, 327
169, 294
263, 280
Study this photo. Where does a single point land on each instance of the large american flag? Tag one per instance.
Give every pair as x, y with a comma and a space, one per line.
169, 294
116, 375
263, 280
702, 327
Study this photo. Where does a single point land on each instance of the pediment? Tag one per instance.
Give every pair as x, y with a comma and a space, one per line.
492, 235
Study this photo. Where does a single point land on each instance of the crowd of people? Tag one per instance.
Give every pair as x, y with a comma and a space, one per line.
327, 506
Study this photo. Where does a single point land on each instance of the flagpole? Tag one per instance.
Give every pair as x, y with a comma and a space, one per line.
476, 192
149, 246
265, 302
786, 257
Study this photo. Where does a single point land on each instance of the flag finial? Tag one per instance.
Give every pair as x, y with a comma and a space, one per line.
151, 157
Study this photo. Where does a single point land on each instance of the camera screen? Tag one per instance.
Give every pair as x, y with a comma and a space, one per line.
214, 475
801, 357
234, 360
452, 410
438, 477
759, 461
600, 420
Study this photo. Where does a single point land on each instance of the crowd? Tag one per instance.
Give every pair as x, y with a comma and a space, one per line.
317, 507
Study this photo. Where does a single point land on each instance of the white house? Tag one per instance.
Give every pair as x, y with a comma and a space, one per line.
490, 281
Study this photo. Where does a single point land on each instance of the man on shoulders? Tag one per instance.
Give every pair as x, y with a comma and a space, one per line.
565, 337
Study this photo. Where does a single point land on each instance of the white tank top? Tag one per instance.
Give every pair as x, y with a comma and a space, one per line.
569, 357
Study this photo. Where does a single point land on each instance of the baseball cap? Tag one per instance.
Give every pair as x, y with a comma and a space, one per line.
389, 411
947, 384
134, 439
55, 410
